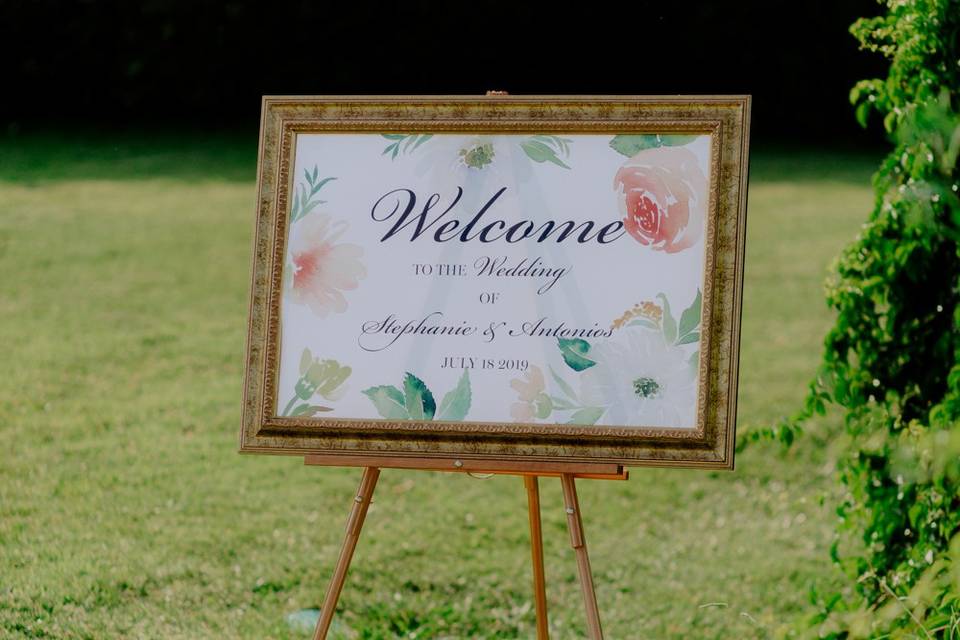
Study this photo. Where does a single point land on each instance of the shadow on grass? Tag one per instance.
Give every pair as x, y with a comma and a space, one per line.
232, 157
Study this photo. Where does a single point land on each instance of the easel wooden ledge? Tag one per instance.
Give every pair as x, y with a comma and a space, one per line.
530, 471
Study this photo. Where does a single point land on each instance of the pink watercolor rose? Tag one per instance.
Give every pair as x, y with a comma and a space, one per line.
322, 268
663, 198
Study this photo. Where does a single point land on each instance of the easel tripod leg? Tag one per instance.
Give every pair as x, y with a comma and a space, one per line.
579, 543
536, 551
354, 523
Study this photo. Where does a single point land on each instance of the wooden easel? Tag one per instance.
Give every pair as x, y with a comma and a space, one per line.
530, 471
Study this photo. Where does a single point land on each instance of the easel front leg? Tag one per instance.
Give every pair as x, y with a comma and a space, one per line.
579, 543
536, 552
354, 523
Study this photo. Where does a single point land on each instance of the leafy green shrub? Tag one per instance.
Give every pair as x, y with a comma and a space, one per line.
892, 359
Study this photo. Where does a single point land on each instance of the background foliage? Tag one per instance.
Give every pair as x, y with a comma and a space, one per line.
892, 360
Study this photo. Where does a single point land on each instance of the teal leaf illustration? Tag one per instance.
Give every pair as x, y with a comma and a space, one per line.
693, 336
690, 318
631, 145
574, 351
389, 402
587, 415
566, 388
456, 403
418, 399
540, 152
404, 143
304, 200
669, 323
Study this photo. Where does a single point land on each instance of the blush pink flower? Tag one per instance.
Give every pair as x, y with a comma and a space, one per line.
663, 198
322, 268
530, 395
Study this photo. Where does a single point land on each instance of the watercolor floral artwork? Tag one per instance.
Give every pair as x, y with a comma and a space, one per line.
645, 374
481, 151
322, 267
415, 401
662, 191
323, 378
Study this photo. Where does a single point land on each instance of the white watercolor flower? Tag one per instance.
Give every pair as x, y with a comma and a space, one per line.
322, 268
640, 381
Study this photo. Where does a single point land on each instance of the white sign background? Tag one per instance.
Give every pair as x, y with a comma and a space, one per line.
633, 380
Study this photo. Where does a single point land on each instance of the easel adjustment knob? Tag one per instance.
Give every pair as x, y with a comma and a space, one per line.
458, 463
570, 511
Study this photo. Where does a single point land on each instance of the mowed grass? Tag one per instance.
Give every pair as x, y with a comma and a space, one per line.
125, 511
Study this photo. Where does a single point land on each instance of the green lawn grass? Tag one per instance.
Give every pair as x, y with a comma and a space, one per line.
125, 511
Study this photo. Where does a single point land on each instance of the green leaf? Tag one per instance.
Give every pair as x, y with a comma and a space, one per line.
304, 388
566, 388
539, 152
587, 415
863, 113
319, 185
646, 323
693, 336
422, 139
418, 399
562, 404
543, 405
631, 145
389, 148
694, 362
574, 353
389, 402
690, 318
668, 323
456, 402
309, 410
306, 359
394, 136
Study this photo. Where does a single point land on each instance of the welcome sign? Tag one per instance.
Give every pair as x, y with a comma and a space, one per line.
498, 277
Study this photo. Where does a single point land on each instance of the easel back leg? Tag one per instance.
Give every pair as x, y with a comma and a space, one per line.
579, 543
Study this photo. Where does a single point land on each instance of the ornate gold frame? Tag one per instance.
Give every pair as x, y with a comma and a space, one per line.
725, 118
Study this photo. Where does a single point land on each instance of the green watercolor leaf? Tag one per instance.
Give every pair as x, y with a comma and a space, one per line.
694, 362
631, 145
543, 405
309, 410
539, 152
394, 136
389, 402
304, 388
456, 402
587, 415
562, 404
693, 336
690, 318
422, 139
574, 353
418, 399
319, 185
646, 323
669, 323
306, 359
566, 388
